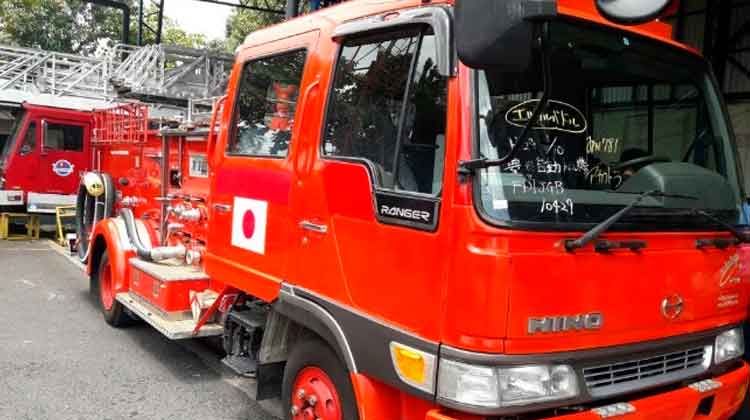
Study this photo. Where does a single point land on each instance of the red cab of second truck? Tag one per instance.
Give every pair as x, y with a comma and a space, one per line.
42, 159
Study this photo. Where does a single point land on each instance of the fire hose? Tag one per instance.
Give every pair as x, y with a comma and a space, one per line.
95, 201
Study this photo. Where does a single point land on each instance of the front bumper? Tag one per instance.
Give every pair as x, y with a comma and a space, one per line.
47, 203
681, 404
11, 198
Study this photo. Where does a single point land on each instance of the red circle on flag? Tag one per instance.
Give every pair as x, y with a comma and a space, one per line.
248, 224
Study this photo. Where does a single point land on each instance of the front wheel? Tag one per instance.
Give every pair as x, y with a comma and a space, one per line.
102, 285
317, 384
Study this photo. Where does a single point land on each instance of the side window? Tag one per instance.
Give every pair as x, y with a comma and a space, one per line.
266, 101
29, 140
388, 106
64, 137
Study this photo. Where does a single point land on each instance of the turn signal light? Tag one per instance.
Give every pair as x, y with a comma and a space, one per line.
414, 367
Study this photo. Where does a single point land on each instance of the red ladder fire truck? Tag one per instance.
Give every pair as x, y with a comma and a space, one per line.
46, 104
442, 210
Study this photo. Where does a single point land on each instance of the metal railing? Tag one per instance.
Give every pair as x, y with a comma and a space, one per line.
39, 71
172, 73
154, 73
126, 123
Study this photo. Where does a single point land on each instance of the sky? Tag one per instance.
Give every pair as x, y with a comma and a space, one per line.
199, 17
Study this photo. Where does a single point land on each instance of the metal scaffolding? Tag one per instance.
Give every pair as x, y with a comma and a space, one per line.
168, 73
151, 73
39, 71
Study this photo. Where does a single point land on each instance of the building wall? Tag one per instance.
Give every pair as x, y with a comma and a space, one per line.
699, 24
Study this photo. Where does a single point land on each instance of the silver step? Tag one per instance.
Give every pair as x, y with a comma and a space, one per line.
172, 329
169, 270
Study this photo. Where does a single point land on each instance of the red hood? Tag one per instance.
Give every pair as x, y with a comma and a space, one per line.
503, 280
628, 289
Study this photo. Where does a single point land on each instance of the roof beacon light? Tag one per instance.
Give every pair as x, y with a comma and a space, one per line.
631, 12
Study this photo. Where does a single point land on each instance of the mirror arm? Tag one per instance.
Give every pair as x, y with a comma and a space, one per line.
211, 138
468, 167
43, 142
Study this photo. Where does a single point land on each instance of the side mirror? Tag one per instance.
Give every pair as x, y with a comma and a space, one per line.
499, 34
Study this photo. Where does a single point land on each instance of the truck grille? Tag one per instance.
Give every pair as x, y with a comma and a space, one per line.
636, 374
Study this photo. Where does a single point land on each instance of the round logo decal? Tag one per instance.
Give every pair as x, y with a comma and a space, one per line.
63, 167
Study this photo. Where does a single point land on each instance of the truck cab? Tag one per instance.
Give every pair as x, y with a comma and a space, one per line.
44, 150
427, 199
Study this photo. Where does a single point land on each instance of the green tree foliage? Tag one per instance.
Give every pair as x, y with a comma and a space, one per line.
79, 27
243, 21
73, 26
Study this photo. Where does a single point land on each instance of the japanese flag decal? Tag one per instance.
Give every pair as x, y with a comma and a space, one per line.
249, 224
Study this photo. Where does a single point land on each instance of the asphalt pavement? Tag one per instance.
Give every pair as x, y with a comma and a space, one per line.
60, 360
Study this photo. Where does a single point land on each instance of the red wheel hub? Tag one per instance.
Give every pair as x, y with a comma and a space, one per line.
314, 396
105, 287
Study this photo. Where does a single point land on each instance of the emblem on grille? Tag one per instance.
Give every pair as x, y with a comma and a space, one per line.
555, 324
671, 306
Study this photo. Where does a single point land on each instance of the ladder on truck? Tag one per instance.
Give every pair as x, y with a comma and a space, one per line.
38, 71
153, 73
171, 73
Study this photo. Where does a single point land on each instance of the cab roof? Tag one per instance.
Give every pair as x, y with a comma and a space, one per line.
354, 9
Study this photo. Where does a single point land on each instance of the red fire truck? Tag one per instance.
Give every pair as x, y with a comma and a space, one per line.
442, 210
44, 147
46, 104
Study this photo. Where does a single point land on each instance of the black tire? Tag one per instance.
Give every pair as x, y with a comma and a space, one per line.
90, 210
115, 315
744, 412
316, 353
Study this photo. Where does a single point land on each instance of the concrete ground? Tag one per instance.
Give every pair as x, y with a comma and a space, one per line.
60, 360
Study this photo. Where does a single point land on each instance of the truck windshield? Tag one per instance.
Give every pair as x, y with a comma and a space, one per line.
624, 115
10, 121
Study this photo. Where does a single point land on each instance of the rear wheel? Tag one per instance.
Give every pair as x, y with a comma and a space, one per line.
102, 284
317, 385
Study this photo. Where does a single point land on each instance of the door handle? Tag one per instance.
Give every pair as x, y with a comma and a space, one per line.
307, 225
222, 208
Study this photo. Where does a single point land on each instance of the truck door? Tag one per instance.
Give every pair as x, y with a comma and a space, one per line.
248, 242
22, 167
370, 205
63, 155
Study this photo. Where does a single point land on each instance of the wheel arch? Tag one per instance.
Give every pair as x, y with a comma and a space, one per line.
318, 320
108, 236
378, 392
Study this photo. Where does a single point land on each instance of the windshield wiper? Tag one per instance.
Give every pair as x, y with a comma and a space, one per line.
741, 237
468, 167
596, 231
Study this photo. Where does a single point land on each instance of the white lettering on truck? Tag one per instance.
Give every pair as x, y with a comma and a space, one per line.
405, 213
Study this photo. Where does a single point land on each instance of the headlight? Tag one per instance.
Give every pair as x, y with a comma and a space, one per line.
488, 387
729, 345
